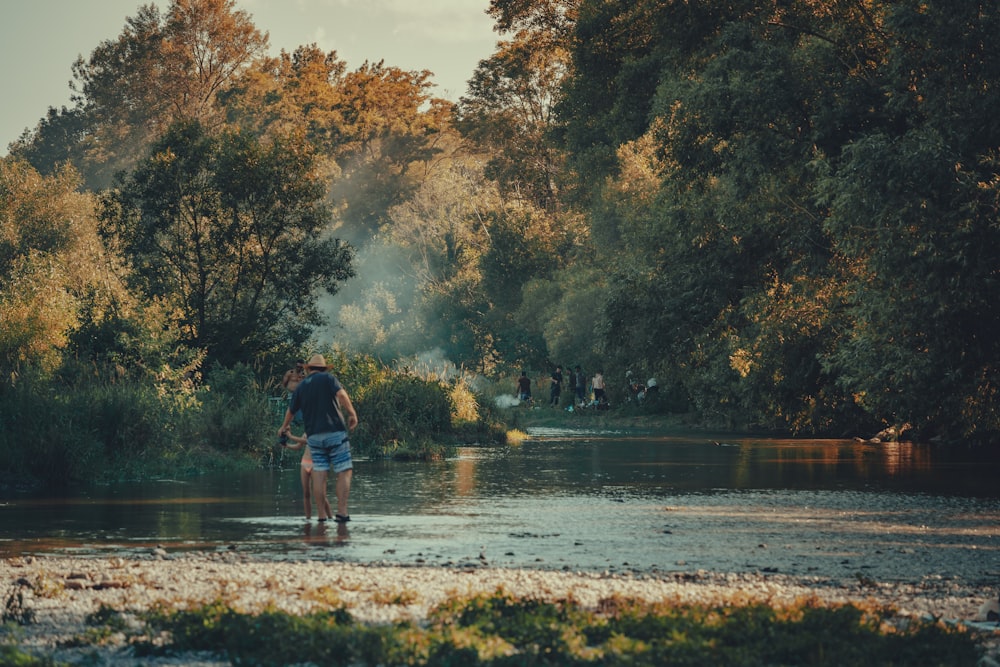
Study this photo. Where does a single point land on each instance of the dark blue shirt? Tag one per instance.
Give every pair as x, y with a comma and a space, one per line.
316, 397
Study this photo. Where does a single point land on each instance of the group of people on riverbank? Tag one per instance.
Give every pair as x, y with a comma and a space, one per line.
577, 382
324, 407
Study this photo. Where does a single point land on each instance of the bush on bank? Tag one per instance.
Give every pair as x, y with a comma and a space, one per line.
77, 427
57, 432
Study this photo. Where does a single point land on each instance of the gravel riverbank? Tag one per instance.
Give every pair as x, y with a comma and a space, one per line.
59, 592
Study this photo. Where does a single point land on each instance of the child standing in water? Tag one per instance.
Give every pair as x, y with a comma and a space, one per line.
305, 472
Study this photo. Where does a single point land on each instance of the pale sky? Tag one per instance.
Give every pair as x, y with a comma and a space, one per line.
40, 40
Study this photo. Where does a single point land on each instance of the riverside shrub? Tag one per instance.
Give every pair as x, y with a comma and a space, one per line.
399, 412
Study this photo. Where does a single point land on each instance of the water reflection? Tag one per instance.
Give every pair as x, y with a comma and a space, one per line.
320, 534
577, 498
651, 464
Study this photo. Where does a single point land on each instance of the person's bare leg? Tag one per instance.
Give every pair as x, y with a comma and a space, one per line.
306, 499
343, 491
319, 493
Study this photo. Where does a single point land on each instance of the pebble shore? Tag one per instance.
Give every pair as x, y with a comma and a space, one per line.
61, 591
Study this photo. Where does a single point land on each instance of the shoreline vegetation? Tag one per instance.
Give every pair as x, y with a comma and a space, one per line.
221, 609
74, 427
80, 429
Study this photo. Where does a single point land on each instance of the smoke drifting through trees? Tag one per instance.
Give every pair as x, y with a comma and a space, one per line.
375, 312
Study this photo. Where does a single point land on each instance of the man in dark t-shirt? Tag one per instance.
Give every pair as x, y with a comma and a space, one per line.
328, 415
580, 386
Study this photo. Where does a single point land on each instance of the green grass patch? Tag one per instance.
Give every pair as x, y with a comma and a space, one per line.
12, 656
501, 630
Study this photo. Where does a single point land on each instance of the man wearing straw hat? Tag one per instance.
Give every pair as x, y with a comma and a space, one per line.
324, 403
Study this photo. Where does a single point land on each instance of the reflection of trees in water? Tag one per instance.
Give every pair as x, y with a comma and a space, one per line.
465, 477
546, 480
774, 462
898, 457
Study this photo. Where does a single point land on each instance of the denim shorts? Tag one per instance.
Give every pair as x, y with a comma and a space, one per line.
330, 451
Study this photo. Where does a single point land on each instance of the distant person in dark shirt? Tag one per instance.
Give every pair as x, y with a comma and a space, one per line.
524, 388
580, 387
556, 390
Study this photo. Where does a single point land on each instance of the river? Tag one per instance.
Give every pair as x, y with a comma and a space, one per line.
584, 500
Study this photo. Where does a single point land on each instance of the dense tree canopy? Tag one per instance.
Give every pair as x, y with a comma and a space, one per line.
787, 212
508, 113
804, 245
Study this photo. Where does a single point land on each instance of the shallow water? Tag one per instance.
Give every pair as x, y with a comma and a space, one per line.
581, 500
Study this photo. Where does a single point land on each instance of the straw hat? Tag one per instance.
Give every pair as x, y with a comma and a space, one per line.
317, 362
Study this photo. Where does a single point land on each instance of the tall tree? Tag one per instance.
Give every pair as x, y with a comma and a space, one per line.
376, 128
49, 258
206, 45
799, 214
913, 208
507, 111
231, 231
297, 92
391, 125
160, 70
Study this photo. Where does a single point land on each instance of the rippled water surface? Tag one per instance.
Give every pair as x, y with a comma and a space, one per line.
562, 499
